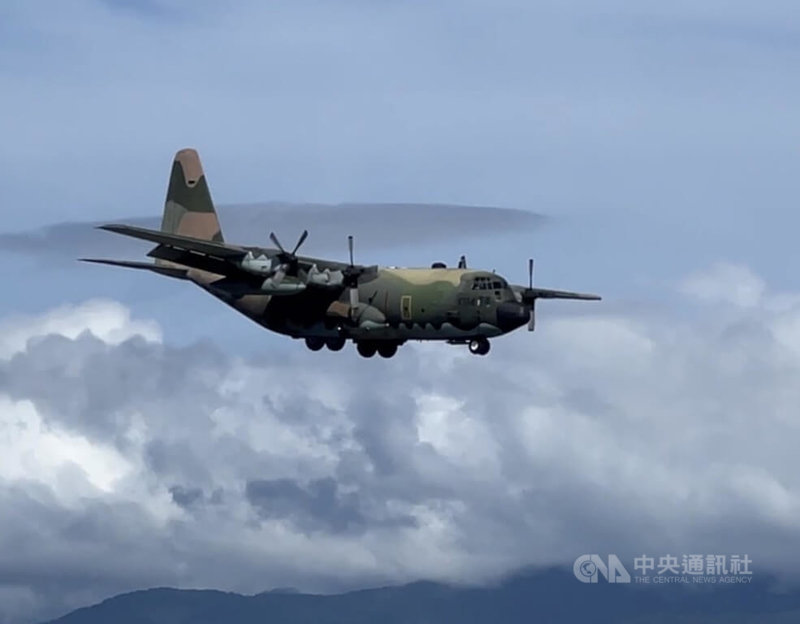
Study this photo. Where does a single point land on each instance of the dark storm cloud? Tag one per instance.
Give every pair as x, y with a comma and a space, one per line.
315, 505
185, 497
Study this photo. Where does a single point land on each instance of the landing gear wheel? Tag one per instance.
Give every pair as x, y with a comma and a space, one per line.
387, 350
479, 346
366, 349
314, 343
335, 344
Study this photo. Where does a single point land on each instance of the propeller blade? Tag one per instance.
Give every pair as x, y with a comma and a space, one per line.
532, 318
462, 262
350, 247
276, 242
530, 272
303, 237
353, 302
277, 278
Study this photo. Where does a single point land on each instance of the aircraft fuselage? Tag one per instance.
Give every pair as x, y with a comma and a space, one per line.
396, 304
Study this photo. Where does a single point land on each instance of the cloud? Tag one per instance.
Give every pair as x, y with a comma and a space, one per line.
45, 453
148, 464
513, 104
374, 226
109, 321
318, 504
726, 283
613, 431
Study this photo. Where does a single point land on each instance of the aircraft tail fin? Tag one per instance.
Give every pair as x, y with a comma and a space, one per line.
188, 209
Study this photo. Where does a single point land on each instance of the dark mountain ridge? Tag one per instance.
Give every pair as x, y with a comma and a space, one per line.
552, 595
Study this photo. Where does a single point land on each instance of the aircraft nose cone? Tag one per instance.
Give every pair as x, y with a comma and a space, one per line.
511, 314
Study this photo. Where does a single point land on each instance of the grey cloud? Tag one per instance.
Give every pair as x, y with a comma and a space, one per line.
317, 504
373, 225
96, 392
600, 432
323, 505
185, 497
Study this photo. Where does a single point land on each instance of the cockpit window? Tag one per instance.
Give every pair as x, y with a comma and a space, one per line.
487, 283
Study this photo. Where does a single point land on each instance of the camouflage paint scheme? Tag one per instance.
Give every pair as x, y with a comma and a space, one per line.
324, 301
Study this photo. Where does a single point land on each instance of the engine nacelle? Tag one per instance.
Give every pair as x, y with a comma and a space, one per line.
283, 287
259, 266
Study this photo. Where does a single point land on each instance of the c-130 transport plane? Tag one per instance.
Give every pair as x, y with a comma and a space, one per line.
323, 301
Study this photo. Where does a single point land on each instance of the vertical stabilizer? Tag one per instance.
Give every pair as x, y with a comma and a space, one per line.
189, 210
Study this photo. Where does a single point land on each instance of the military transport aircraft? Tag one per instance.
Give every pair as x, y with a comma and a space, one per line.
324, 301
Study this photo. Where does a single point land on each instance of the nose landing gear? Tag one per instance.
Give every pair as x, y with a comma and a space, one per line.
479, 346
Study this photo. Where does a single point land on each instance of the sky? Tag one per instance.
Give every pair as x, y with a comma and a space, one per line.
645, 151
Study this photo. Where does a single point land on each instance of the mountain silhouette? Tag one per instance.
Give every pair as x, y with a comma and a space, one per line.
544, 596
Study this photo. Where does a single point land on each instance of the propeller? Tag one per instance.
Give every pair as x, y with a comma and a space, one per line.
532, 319
288, 259
351, 275
288, 256
462, 262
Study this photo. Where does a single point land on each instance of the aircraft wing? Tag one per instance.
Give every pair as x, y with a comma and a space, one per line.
186, 243
544, 293
169, 271
215, 257
531, 294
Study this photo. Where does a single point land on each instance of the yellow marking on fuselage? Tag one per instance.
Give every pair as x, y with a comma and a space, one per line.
421, 277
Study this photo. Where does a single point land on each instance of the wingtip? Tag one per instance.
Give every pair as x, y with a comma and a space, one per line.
93, 260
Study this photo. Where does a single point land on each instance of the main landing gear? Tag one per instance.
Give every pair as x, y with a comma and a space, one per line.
335, 344
479, 346
315, 343
384, 348
365, 348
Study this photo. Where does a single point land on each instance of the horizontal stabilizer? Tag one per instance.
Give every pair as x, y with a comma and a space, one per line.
211, 248
162, 270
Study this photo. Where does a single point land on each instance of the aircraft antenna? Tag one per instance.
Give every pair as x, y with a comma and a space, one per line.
532, 318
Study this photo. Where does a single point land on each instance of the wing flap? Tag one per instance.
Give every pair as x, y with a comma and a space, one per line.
199, 261
210, 248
